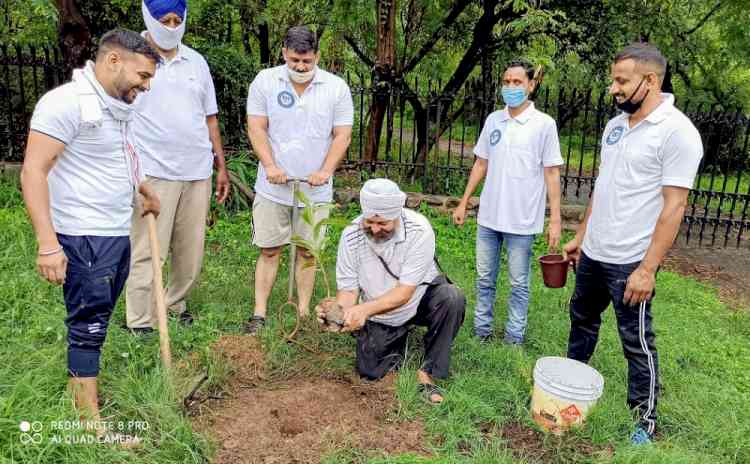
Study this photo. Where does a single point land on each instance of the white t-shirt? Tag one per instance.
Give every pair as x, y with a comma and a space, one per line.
412, 260
170, 119
517, 149
665, 149
300, 128
91, 192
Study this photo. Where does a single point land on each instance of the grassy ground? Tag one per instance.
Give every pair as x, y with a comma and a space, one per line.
703, 346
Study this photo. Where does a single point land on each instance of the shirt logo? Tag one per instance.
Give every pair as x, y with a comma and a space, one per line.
614, 135
285, 99
495, 137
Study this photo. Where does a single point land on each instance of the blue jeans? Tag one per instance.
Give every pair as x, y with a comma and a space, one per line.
489, 245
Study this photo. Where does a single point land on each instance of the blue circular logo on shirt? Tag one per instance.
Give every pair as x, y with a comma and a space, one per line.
495, 137
285, 99
614, 135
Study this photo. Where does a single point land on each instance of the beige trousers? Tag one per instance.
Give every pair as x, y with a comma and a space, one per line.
181, 230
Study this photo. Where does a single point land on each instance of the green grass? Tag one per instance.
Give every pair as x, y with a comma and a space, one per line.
703, 347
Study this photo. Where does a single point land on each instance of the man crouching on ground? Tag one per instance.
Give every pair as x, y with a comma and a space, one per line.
388, 254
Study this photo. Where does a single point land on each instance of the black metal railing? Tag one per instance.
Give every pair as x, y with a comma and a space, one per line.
427, 137
26, 73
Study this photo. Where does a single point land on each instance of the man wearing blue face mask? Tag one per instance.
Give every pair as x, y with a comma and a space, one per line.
299, 122
179, 140
519, 152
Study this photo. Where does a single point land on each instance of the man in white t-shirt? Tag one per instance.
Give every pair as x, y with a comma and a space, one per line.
299, 121
387, 256
177, 131
650, 156
519, 152
79, 179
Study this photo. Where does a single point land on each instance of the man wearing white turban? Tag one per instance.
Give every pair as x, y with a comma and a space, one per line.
387, 255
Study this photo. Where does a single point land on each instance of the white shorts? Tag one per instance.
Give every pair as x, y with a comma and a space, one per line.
272, 223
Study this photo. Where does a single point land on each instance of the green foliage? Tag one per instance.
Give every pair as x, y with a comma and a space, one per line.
706, 43
28, 22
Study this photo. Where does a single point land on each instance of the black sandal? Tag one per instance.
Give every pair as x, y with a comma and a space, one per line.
429, 389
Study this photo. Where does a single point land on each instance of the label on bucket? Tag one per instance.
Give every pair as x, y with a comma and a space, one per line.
556, 414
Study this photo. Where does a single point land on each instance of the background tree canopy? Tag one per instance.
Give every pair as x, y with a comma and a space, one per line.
707, 43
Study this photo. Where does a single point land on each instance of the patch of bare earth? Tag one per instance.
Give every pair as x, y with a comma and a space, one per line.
727, 268
264, 420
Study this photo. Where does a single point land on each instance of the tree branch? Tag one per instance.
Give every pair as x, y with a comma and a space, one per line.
439, 32
357, 51
705, 18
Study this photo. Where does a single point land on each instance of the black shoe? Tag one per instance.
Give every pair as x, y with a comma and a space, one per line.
185, 318
138, 330
254, 325
484, 339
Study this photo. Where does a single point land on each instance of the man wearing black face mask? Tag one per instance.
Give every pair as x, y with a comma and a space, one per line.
650, 155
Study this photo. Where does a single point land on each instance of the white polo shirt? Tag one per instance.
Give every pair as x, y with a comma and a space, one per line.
90, 189
300, 128
170, 119
412, 259
517, 149
664, 149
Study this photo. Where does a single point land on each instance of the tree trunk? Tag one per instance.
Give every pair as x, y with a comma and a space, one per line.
74, 35
383, 76
482, 35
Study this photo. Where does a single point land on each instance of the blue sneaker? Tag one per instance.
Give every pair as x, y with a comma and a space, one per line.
641, 437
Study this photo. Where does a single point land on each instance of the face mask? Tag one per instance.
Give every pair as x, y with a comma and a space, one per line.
166, 38
301, 77
514, 96
629, 106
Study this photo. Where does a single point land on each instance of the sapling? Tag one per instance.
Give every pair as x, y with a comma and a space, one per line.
316, 246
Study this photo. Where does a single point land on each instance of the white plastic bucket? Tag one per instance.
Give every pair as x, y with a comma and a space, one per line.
565, 390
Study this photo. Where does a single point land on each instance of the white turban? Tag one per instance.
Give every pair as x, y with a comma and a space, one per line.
381, 197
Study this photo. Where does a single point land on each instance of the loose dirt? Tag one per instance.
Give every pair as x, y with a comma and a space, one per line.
534, 446
264, 419
727, 269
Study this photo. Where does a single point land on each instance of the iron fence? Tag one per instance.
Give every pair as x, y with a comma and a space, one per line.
427, 137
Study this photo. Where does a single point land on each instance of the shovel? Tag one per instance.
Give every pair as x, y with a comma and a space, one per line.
294, 181
158, 290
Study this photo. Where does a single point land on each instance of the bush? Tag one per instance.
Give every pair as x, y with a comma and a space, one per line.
232, 71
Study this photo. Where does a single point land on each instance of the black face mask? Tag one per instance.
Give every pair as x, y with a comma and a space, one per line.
629, 106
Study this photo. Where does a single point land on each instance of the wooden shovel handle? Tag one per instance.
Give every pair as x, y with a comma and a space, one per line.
158, 290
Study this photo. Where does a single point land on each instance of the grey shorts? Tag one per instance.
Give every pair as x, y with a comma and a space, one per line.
272, 223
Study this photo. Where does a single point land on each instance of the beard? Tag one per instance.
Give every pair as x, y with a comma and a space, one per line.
380, 237
126, 91
129, 96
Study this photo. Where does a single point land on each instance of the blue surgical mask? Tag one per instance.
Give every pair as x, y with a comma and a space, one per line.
514, 96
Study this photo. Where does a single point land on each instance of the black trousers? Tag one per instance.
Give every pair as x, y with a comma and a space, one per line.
597, 285
97, 270
381, 348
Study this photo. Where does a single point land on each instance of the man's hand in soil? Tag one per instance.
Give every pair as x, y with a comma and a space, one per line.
53, 267
321, 311
640, 286
354, 318
151, 203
